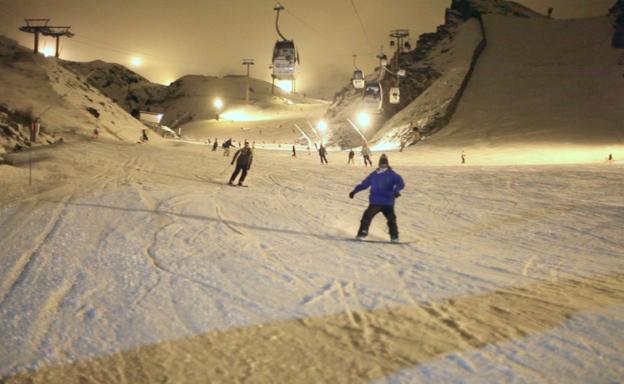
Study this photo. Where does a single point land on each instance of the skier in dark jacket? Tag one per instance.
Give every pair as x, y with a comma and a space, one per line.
243, 158
385, 185
323, 154
226, 147
215, 145
351, 156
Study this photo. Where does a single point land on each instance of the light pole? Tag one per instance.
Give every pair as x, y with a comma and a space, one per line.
364, 120
247, 62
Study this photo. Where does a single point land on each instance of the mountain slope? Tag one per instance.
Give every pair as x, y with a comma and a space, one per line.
63, 100
186, 99
542, 81
436, 70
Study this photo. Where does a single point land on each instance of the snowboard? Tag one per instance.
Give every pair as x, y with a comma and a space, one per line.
401, 242
217, 181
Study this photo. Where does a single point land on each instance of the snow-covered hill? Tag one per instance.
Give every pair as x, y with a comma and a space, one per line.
436, 70
542, 81
124, 86
66, 104
186, 99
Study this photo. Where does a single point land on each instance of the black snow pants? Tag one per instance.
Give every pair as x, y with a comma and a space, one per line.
367, 161
239, 167
323, 158
371, 211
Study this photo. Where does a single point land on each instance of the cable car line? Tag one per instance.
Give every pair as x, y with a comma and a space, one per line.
361, 24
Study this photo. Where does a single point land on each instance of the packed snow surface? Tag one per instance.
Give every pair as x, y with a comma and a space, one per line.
138, 263
542, 81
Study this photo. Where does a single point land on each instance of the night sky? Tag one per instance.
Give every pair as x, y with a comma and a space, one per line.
210, 37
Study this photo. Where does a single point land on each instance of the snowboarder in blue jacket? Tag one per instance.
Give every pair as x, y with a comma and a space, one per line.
385, 185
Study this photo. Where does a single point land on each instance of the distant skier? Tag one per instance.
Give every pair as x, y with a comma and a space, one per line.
550, 11
351, 157
610, 158
463, 157
385, 185
243, 158
323, 154
226, 147
294, 151
144, 137
96, 133
366, 154
403, 144
215, 145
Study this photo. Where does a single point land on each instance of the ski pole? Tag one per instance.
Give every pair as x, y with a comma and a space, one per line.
225, 169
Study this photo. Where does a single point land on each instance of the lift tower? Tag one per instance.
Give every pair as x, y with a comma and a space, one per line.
35, 26
247, 62
57, 33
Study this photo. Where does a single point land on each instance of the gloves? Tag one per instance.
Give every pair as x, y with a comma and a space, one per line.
351, 194
396, 194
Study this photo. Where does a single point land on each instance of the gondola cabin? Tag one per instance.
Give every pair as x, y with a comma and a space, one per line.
358, 79
285, 59
373, 96
394, 96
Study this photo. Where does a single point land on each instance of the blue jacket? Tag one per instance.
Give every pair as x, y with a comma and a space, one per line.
384, 184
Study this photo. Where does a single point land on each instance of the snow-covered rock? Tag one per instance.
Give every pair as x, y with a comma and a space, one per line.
65, 103
617, 16
15, 131
125, 87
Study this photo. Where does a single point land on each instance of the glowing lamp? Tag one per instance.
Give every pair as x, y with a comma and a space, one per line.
321, 125
364, 119
285, 85
48, 51
136, 61
218, 103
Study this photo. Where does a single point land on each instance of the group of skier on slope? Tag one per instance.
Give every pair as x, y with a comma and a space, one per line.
366, 155
384, 183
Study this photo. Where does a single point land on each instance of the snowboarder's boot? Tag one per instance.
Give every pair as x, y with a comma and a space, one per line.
231, 182
394, 240
361, 235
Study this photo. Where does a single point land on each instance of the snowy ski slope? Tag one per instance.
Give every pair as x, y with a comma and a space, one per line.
136, 263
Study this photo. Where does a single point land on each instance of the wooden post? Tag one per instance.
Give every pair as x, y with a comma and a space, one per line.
36, 49
58, 37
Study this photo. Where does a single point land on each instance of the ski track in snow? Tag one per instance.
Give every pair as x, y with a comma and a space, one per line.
151, 249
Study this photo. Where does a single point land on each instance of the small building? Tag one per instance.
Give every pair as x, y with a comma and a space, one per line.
150, 117
152, 120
